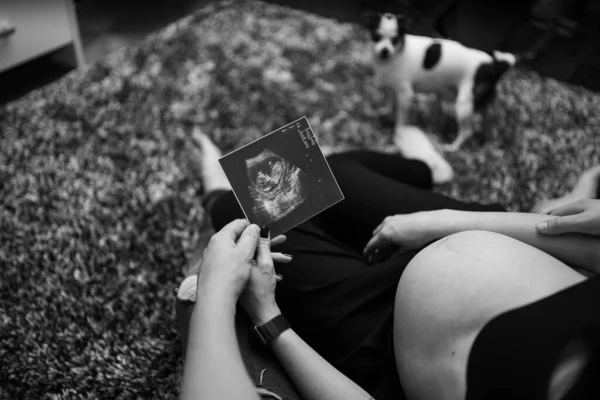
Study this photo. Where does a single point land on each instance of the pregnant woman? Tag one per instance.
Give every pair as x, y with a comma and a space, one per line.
401, 292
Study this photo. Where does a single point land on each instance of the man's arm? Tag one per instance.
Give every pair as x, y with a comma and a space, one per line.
582, 251
214, 368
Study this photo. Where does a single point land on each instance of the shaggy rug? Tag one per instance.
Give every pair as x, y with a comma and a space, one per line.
99, 209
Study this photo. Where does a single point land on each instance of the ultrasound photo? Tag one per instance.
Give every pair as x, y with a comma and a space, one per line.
276, 186
282, 179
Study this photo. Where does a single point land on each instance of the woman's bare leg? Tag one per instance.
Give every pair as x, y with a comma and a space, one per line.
586, 188
450, 290
205, 160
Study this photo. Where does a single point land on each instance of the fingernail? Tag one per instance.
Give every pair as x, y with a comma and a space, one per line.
542, 226
279, 276
289, 255
264, 232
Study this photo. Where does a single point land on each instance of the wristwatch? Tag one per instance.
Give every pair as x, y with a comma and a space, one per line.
271, 329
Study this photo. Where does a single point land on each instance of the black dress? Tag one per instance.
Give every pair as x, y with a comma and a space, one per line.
515, 354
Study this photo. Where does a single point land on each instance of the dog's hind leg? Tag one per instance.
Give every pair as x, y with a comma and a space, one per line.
464, 118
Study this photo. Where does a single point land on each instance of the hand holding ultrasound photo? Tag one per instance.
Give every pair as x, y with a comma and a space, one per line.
282, 179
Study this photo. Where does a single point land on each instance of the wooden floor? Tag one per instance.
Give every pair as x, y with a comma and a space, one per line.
487, 24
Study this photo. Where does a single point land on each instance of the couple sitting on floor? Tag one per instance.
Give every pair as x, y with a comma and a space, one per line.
474, 302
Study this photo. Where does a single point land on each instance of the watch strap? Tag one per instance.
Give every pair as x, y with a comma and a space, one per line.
271, 329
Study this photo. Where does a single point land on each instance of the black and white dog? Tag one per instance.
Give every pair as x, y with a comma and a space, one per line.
410, 64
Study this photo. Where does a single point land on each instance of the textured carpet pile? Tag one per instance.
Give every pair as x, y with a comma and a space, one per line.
99, 207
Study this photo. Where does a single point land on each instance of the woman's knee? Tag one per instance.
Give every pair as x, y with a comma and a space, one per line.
223, 209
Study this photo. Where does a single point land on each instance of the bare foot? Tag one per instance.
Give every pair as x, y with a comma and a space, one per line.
206, 156
413, 143
585, 188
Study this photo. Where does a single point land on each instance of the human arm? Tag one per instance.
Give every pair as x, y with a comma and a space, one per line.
416, 230
213, 366
313, 376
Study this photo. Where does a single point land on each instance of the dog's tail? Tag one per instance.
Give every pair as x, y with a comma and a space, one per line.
514, 59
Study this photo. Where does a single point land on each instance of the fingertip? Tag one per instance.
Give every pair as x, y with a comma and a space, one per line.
369, 247
264, 232
277, 240
281, 258
243, 221
542, 226
253, 229
249, 238
552, 226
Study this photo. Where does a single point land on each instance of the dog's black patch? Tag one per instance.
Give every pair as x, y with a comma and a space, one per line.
433, 55
398, 42
371, 20
486, 79
491, 53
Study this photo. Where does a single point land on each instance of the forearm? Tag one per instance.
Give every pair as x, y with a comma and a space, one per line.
574, 249
315, 378
214, 368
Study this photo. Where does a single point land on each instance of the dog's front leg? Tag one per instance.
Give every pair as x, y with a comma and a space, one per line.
464, 118
404, 97
387, 111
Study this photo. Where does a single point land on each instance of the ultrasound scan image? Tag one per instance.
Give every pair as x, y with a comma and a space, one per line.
282, 179
276, 186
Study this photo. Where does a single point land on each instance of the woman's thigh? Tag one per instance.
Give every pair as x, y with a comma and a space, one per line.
371, 196
447, 294
393, 166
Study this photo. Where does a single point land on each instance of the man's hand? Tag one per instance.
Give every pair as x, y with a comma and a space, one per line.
582, 216
225, 268
258, 299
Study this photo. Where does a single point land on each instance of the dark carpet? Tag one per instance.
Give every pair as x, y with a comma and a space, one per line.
99, 209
